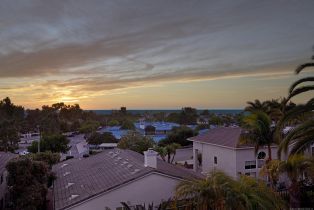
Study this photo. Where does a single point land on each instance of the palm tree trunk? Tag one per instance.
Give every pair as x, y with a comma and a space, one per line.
173, 157
169, 156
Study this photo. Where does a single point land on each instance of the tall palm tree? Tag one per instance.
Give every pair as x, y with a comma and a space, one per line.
255, 194
256, 105
259, 131
219, 191
294, 167
302, 135
276, 108
213, 192
168, 151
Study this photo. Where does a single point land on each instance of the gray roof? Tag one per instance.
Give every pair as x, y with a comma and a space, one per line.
5, 157
223, 136
99, 173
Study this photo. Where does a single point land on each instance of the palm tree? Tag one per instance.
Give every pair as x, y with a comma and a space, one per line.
213, 192
161, 151
294, 167
255, 194
256, 105
219, 191
302, 135
276, 108
259, 131
271, 170
168, 151
172, 150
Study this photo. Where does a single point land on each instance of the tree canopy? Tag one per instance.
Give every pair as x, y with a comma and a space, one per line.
98, 138
27, 181
179, 135
11, 118
136, 142
54, 143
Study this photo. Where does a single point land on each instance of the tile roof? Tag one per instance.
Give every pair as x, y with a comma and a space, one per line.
102, 172
5, 157
223, 136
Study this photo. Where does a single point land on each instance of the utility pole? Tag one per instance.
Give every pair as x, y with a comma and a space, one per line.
39, 139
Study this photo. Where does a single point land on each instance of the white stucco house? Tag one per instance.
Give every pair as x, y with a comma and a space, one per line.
220, 149
113, 176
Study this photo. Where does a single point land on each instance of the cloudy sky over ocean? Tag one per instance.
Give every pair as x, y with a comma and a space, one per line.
152, 54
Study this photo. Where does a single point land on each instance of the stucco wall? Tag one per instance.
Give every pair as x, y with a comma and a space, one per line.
226, 158
231, 161
152, 188
249, 155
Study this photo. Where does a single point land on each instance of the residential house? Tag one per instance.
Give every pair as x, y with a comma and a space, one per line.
5, 157
104, 180
220, 149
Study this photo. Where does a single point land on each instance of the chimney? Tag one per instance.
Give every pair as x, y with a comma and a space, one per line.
150, 158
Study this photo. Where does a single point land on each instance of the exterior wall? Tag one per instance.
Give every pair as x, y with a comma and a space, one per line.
153, 188
225, 158
229, 160
249, 155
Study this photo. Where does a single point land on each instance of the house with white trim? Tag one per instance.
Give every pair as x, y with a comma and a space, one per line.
104, 180
219, 149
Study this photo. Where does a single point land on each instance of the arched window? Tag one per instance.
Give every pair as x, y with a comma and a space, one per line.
261, 155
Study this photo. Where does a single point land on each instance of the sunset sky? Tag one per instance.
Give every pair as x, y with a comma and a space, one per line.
152, 54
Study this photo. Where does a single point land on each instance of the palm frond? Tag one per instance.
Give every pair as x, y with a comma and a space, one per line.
296, 83
303, 66
302, 144
300, 90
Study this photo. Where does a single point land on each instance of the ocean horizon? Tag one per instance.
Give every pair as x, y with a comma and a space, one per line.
153, 111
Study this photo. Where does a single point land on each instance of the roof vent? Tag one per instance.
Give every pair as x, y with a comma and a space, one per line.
66, 173
64, 165
69, 185
135, 171
73, 197
124, 162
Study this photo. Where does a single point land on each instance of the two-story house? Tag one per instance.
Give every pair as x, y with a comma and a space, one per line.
219, 149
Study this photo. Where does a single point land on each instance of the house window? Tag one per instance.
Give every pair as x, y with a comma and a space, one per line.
1, 179
250, 164
261, 155
215, 160
312, 151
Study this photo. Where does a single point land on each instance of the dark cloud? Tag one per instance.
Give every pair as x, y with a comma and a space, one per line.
106, 45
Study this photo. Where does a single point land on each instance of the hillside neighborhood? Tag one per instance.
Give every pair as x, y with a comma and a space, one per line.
156, 105
124, 160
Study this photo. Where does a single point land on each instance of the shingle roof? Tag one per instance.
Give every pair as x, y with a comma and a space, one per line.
224, 136
5, 157
102, 172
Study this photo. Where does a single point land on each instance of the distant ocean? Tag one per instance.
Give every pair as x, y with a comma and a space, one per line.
142, 111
